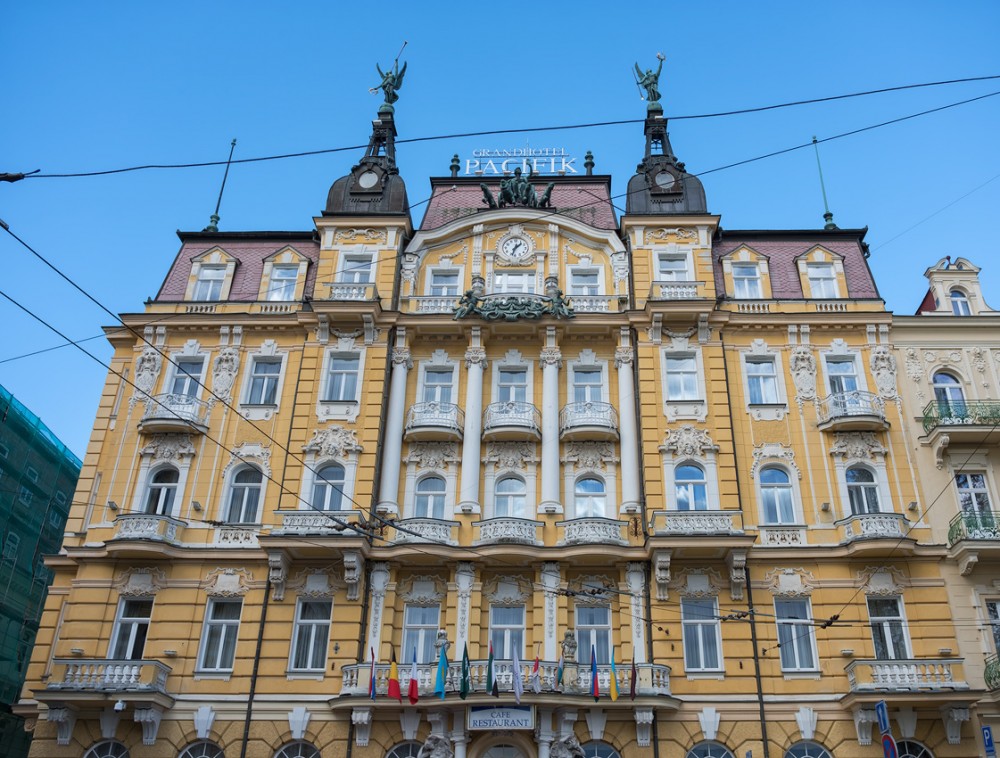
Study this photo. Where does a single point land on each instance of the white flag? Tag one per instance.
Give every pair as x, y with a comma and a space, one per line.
518, 682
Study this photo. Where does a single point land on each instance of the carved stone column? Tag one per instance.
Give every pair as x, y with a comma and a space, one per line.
550, 581
475, 365
551, 360
392, 447
635, 577
624, 358
379, 582
465, 577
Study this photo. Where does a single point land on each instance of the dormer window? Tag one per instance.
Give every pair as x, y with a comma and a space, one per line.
822, 281
208, 287
960, 303
282, 283
746, 281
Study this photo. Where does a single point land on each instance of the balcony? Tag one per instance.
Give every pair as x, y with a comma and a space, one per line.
147, 526
322, 523
697, 523
424, 530
914, 675
588, 421
973, 422
592, 531
973, 535
511, 420
674, 290
594, 303
434, 421
174, 413
352, 291
867, 532
851, 411
508, 530
97, 681
236, 536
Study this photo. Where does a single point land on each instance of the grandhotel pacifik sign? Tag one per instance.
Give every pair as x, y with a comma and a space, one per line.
541, 160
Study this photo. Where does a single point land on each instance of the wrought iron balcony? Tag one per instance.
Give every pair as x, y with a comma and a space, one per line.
417, 530
147, 526
868, 526
174, 413
588, 421
675, 290
592, 531
511, 420
697, 523
98, 675
326, 523
974, 525
963, 421
508, 530
992, 672
851, 411
352, 291
911, 675
434, 421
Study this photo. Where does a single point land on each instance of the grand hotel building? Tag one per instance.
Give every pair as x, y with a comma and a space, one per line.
709, 460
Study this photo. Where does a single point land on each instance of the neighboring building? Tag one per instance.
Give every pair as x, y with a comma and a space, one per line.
37, 478
643, 445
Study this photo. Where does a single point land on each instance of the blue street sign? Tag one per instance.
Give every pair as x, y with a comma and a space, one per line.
991, 750
882, 714
889, 746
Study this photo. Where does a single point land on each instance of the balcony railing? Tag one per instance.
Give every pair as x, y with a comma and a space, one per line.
100, 675
511, 420
317, 522
842, 408
593, 303
576, 419
236, 536
507, 530
867, 526
592, 531
675, 290
165, 413
992, 672
426, 530
352, 291
147, 526
972, 413
434, 420
974, 525
433, 304
929, 675
696, 523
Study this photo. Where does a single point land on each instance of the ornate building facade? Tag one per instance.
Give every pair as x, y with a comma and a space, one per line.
648, 479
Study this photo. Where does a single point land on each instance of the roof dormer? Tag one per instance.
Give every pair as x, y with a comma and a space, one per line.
955, 290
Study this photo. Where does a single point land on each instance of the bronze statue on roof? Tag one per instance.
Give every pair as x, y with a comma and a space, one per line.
392, 82
650, 81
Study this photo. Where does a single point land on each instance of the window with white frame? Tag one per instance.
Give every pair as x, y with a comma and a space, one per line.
25, 495
507, 630
888, 628
776, 496
993, 616
807, 750
328, 488
959, 303
973, 492
281, 284
585, 281
862, 491
690, 488
420, 627
187, 376
438, 385
355, 268
32, 473
948, 394
822, 280
11, 546
311, 635
593, 633
590, 498
161, 492
746, 281
342, 377
443, 283
709, 750
842, 374
702, 638
510, 498
264, 376
430, 498
128, 640
218, 638
512, 385
762, 381
514, 282
588, 385
208, 286
672, 267
244, 496
682, 377
795, 635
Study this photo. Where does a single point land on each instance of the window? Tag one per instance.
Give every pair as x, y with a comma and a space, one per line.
311, 635
691, 488
512, 385
131, 627
202, 749
585, 282
993, 611
32, 474
342, 378
593, 630
762, 381
209, 284
599, 750
511, 498
187, 377
25, 495
297, 749
709, 750
264, 374
700, 628
807, 750
11, 546
795, 635
356, 268
218, 643
888, 628
107, 749
959, 303
590, 498
682, 378
514, 282
507, 630
973, 495
911, 749
822, 280
843, 375
776, 496
244, 496
672, 268
948, 395
405, 750
587, 385
328, 488
161, 492
746, 281
438, 385
420, 626
862, 491
281, 285
430, 498
444, 284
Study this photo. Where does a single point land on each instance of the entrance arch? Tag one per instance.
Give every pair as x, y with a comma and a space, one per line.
511, 745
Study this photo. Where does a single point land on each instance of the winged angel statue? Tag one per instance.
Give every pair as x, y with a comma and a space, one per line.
650, 81
392, 82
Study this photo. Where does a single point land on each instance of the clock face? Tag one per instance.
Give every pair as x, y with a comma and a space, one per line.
368, 180
515, 248
665, 180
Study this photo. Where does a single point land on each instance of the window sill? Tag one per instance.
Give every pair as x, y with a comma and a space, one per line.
719, 675
344, 410
258, 412
316, 676
221, 676
686, 409
790, 675
767, 411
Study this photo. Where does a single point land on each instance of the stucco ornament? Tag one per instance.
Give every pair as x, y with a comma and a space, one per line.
569, 645
432, 455
147, 370
169, 447
224, 369
436, 746
883, 365
688, 441
592, 456
857, 445
567, 747
803, 365
511, 455
333, 442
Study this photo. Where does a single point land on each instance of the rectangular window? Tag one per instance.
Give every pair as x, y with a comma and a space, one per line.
843, 375
593, 632
209, 284
672, 268
795, 635
746, 281
888, 628
342, 377
702, 640
32, 474
514, 282
682, 378
973, 495
512, 385
281, 285
507, 631
311, 635
762, 381
587, 385
437, 385
420, 626
993, 612
11, 546
187, 377
585, 282
444, 284
4, 450
264, 374
822, 280
356, 268
218, 639
25, 495
129, 639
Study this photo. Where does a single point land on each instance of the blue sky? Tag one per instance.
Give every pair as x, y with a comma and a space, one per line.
92, 86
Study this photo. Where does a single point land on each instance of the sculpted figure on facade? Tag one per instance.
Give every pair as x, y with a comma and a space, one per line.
224, 369
883, 365
569, 645
567, 747
436, 746
147, 370
803, 366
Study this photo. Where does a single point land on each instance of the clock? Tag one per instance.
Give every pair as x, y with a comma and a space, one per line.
368, 180
665, 181
515, 248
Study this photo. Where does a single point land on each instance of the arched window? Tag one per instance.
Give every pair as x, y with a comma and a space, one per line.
298, 749
504, 751
862, 490
911, 749
404, 750
690, 488
328, 490
709, 750
807, 750
597, 749
244, 496
590, 498
959, 303
203, 749
107, 749
430, 498
161, 491
776, 496
511, 497
948, 394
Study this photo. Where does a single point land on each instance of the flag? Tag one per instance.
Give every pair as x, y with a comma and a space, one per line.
491, 675
613, 686
413, 694
442, 674
466, 686
560, 670
536, 677
393, 688
635, 679
518, 681
595, 687
371, 684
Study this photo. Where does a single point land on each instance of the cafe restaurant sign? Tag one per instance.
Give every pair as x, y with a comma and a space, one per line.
493, 717
541, 160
